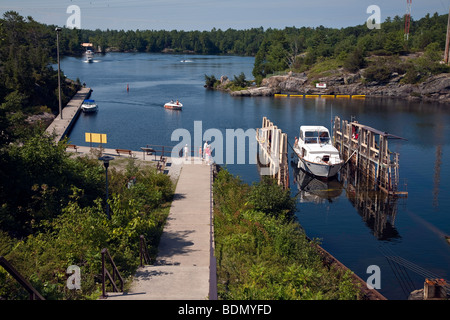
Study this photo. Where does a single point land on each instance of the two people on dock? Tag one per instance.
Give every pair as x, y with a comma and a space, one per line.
207, 152
205, 155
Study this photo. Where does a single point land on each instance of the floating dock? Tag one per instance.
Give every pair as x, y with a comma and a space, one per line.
368, 149
332, 96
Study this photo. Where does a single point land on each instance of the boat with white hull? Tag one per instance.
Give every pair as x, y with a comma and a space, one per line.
315, 154
89, 106
89, 56
174, 105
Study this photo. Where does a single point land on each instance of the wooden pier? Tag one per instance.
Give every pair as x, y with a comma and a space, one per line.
368, 149
273, 152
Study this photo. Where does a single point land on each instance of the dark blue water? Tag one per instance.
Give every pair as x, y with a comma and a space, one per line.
411, 228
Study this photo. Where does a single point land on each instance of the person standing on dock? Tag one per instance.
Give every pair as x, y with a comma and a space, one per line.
186, 151
208, 154
204, 149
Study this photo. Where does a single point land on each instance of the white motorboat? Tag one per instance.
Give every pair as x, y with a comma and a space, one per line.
89, 106
315, 154
89, 56
174, 105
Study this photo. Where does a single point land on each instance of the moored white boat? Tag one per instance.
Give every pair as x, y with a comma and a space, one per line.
315, 154
174, 105
89, 106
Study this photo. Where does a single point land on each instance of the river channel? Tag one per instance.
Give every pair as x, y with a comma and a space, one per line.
359, 227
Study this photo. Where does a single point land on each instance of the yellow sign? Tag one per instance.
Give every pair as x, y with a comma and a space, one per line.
96, 137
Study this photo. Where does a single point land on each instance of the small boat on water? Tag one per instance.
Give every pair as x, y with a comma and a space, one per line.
89, 106
174, 105
315, 154
89, 56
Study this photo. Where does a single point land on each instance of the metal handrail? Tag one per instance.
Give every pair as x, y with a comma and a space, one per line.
163, 150
112, 278
34, 294
143, 251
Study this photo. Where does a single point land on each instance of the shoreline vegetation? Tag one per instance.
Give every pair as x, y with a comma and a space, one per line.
53, 216
263, 253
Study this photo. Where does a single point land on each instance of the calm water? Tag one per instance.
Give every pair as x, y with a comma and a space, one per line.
411, 228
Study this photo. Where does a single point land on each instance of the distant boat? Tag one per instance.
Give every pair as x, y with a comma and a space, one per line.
89, 106
89, 56
174, 105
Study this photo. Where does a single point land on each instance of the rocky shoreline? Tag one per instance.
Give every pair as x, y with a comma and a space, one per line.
435, 89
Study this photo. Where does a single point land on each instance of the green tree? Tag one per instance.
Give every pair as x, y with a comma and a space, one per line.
394, 43
210, 81
240, 81
355, 60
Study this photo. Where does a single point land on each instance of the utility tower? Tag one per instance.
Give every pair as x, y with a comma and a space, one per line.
407, 18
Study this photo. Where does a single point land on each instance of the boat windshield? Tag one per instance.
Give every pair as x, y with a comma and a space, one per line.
317, 137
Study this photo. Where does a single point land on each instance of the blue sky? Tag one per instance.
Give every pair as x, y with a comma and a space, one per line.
223, 14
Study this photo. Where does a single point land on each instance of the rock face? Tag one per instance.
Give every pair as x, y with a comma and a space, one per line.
435, 88
257, 91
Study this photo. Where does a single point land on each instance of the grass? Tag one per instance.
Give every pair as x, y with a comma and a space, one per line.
327, 67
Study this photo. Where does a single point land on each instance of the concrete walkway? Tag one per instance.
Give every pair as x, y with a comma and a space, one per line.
70, 112
182, 269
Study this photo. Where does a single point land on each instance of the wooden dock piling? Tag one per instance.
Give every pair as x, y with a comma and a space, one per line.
368, 149
273, 152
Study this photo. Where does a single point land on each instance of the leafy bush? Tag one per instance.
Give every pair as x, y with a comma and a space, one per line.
382, 68
38, 178
262, 255
77, 232
240, 81
354, 61
267, 197
210, 81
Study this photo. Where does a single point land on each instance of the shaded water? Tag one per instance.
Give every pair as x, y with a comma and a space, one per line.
357, 226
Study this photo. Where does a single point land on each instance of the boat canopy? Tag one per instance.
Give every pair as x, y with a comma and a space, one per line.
89, 101
314, 134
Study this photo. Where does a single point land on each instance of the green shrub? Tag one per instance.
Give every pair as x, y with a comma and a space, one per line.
263, 255
382, 68
210, 81
354, 61
78, 233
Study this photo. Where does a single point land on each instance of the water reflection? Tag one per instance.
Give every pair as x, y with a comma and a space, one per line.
377, 209
315, 190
